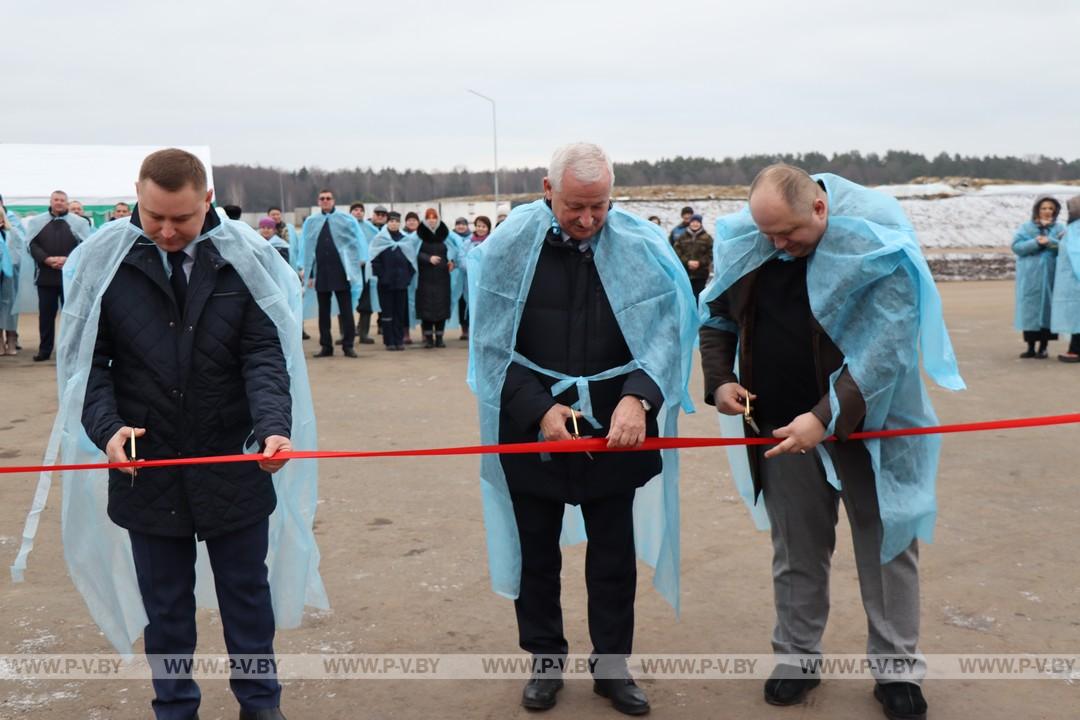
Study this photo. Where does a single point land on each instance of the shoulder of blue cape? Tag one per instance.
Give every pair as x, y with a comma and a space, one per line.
641, 252
80, 229
231, 235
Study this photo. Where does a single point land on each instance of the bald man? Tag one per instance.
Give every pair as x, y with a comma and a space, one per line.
818, 286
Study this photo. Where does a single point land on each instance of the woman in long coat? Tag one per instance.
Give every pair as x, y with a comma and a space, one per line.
435, 262
1036, 247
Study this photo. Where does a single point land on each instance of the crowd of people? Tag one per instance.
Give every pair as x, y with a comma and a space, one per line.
563, 335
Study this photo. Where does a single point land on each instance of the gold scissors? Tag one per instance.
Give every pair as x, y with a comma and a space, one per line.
747, 418
577, 434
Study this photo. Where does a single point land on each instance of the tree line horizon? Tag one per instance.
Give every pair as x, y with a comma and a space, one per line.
256, 187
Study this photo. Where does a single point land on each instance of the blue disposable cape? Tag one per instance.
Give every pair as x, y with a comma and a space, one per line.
1065, 315
351, 245
8, 279
410, 246
652, 301
370, 231
1035, 270
79, 227
458, 245
296, 247
25, 299
98, 552
872, 292
7, 265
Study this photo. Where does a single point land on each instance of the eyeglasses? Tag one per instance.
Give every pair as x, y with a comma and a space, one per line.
326, 197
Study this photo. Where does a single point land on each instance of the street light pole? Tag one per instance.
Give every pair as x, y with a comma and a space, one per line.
495, 146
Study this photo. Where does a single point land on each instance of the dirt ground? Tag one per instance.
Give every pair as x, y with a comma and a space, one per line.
404, 561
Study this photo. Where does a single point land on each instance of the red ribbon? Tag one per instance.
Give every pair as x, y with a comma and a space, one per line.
592, 445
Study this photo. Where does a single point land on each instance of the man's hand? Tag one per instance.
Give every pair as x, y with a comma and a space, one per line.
730, 398
115, 448
60, 260
553, 424
51, 261
693, 264
803, 433
311, 283
627, 424
436, 260
273, 444
1043, 240
450, 266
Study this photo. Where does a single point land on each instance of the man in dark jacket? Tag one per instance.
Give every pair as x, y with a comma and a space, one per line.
676, 232
51, 239
186, 360
394, 272
788, 359
331, 282
568, 326
695, 248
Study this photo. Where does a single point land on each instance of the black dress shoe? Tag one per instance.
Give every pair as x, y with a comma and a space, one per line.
325, 352
350, 352
901, 700
366, 341
1027, 354
625, 695
41, 358
265, 714
784, 688
540, 692
304, 336
1042, 355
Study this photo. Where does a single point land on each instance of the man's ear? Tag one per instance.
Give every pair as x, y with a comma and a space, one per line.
547, 189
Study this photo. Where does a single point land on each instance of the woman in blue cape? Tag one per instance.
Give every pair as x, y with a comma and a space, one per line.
13, 236
814, 325
579, 312
1036, 248
1065, 314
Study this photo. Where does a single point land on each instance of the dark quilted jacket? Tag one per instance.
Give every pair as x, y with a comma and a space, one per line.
568, 326
205, 383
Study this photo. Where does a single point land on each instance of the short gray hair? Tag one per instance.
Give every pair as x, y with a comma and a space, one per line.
587, 161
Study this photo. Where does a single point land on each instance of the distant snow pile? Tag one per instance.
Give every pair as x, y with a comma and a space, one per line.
949, 219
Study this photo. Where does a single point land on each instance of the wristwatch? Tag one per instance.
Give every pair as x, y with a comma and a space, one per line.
645, 404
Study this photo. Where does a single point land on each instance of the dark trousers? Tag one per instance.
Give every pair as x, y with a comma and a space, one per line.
610, 574
394, 316
463, 315
50, 300
1074, 344
1039, 336
345, 318
698, 285
165, 567
432, 326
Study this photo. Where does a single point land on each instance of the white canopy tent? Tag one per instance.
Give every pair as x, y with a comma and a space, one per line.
96, 175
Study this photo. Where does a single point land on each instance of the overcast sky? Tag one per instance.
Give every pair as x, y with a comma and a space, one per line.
343, 84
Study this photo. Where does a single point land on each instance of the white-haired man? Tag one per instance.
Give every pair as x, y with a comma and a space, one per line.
561, 340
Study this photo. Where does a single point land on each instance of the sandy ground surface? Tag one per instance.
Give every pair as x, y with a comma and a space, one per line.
404, 561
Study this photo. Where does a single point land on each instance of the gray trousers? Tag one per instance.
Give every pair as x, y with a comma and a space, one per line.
802, 509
